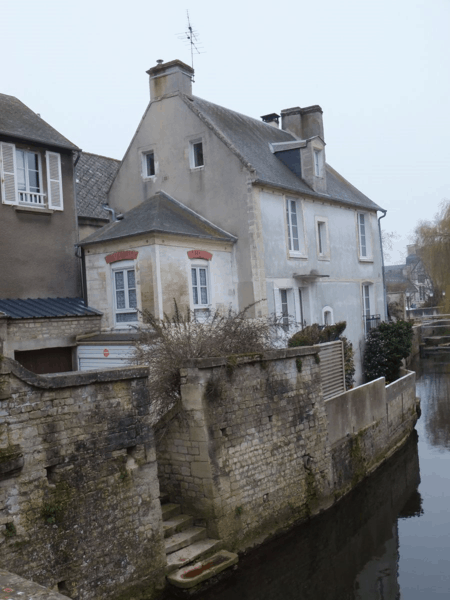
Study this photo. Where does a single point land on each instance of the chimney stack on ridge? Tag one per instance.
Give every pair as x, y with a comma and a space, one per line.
170, 78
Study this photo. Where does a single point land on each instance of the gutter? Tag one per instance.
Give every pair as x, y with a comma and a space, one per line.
382, 262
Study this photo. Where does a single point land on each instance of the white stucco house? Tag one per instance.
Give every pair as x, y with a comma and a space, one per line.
302, 241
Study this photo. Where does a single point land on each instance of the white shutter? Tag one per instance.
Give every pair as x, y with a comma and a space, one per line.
8, 173
54, 181
277, 298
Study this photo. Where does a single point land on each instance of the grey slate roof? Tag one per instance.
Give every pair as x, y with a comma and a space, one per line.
18, 121
250, 138
94, 175
45, 307
394, 274
160, 214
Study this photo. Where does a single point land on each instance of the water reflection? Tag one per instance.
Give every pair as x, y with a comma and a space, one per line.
348, 553
433, 386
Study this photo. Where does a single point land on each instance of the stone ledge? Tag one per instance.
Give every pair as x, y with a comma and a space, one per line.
239, 359
70, 379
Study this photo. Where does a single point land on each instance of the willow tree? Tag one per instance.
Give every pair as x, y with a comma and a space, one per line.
433, 246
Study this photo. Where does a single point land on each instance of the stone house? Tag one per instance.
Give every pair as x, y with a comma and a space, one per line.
41, 306
307, 241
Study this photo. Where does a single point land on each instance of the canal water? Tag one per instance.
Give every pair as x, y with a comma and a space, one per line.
387, 540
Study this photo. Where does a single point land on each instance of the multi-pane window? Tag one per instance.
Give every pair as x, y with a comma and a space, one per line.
125, 296
28, 177
149, 164
200, 286
284, 308
197, 154
362, 235
294, 226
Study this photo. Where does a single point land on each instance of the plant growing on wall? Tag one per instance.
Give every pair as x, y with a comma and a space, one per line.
386, 346
165, 344
315, 334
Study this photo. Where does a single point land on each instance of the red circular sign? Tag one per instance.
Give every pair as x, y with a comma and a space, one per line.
106, 352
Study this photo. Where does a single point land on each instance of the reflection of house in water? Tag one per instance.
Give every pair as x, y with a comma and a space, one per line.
351, 551
408, 286
435, 389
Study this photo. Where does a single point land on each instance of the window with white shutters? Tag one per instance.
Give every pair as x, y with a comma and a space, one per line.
364, 233
21, 178
54, 181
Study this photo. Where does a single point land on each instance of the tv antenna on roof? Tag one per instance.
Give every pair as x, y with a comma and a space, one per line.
191, 38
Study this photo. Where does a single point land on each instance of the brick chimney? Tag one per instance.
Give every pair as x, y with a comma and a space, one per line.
169, 78
303, 123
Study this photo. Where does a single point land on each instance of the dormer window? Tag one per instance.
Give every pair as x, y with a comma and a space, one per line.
196, 154
318, 163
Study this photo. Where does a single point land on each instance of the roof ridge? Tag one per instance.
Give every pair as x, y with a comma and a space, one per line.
101, 156
188, 101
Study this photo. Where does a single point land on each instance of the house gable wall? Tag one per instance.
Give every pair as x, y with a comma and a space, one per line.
220, 191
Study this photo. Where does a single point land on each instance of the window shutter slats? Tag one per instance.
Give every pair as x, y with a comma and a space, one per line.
7, 173
277, 302
54, 181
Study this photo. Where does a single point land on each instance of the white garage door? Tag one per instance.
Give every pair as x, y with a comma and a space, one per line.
104, 357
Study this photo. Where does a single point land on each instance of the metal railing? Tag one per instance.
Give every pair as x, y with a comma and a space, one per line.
371, 322
34, 198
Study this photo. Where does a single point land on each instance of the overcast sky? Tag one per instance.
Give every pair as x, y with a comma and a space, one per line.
379, 70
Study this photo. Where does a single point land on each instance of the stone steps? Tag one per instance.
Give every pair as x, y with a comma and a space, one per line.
185, 544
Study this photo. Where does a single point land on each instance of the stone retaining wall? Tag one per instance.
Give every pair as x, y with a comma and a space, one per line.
79, 495
255, 447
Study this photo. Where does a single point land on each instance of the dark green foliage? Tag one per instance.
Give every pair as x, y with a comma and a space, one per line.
386, 346
349, 363
10, 530
298, 362
314, 334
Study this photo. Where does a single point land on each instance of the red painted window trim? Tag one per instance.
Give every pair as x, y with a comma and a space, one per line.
122, 255
200, 254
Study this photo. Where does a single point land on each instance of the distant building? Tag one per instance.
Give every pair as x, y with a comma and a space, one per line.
408, 286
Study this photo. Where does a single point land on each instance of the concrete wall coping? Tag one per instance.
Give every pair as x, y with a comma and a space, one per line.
239, 359
70, 379
354, 391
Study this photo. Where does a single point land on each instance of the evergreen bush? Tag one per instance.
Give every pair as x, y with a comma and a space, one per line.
386, 346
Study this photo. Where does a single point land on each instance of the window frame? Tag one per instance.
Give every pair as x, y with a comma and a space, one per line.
318, 162
192, 154
321, 240
196, 266
124, 266
327, 310
301, 233
51, 194
145, 173
368, 257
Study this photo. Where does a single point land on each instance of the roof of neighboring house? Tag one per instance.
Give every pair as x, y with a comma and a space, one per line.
94, 175
19, 121
160, 214
396, 280
30, 308
249, 139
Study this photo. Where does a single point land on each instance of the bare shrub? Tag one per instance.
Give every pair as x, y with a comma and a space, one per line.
165, 344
